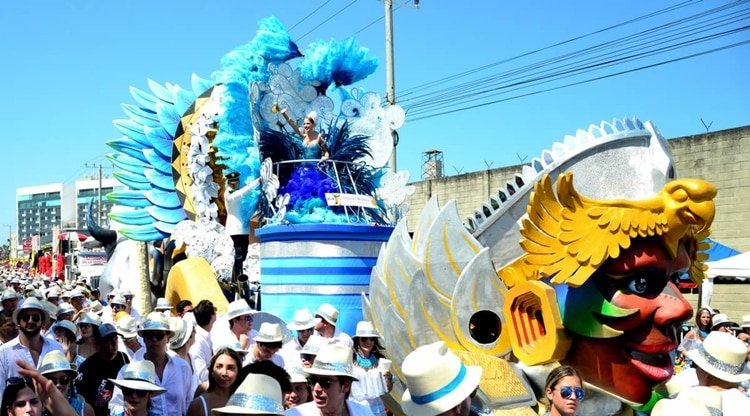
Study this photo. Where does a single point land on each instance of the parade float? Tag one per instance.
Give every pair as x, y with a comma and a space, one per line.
317, 223
573, 261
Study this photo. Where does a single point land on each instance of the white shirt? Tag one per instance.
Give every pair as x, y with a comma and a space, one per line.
202, 351
233, 203
734, 403
291, 353
310, 409
177, 380
338, 338
13, 350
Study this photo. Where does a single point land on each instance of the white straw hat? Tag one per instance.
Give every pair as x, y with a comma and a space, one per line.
721, 318
65, 324
127, 326
96, 307
55, 361
436, 380
745, 321
333, 360
723, 356
296, 374
89, 318
162, 305
182, 331
258, 394
238, 308
269, 333
64, 308
139, 375
31, 303
303, 319
155, 321
328, 312
366, 330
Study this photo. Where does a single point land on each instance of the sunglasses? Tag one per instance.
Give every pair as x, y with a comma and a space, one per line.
157, 336
35, 317
118, 307
567, 391
132, 392
129, 297
323, 382
60, 381
15, 381
307, 357
269, 347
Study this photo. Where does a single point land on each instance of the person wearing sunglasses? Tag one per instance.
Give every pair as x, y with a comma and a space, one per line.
58, 370
564, 390
139, 388
29, 345
331, 379
171, 371
304, 323
20, 398
374, 381
267, 343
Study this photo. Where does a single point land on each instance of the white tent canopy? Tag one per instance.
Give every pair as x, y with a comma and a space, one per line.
735, 266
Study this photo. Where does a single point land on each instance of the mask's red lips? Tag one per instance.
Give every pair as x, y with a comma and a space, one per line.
653, 361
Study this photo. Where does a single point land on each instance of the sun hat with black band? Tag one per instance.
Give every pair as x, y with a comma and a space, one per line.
89, 318
328, 312
365, 330
127, 326
65, 324
155, 321
721, 355
29, 304
436, 380
238, 308
139, 375
721, 318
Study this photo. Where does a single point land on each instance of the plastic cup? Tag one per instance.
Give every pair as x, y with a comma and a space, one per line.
384, 364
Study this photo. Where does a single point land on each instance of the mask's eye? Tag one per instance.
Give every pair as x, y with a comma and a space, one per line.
645, 282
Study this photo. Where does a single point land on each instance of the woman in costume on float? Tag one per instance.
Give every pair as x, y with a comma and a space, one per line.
312, 140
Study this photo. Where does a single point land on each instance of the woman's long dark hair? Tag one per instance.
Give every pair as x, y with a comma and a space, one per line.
376, 348
706, 328
235, 356
13, 386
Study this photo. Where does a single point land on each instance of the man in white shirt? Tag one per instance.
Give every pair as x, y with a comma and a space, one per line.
236, 326
331, 380
205, 316
237, 226
326, 327
29, 345
172, 372
304, 323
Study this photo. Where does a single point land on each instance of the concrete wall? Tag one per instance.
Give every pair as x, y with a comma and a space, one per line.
721, 157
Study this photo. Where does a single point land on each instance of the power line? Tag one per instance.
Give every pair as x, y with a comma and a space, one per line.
402, 4
448, 92
682, 58
310, 14
326, 20
410, 90
602, 60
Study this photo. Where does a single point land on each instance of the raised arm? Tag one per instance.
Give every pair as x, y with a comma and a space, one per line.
291, 122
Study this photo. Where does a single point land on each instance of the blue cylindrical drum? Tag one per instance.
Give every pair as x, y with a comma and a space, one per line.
304, 265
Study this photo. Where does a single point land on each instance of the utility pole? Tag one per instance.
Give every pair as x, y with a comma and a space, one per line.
99, 208
390, 84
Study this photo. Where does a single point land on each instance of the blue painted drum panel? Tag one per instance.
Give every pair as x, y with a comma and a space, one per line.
305, 265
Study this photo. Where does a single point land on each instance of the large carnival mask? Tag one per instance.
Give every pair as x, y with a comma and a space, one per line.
614, 265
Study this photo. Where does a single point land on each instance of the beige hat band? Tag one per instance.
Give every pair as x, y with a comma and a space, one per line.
256, 402
720, 364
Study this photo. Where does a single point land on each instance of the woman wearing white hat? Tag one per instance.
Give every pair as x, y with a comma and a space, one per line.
64, 332
138, 386
373, 381
87, 324
57, 369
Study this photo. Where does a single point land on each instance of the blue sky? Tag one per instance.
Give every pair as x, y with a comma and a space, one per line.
67, 66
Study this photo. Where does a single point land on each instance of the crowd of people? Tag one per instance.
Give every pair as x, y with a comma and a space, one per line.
66, 351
